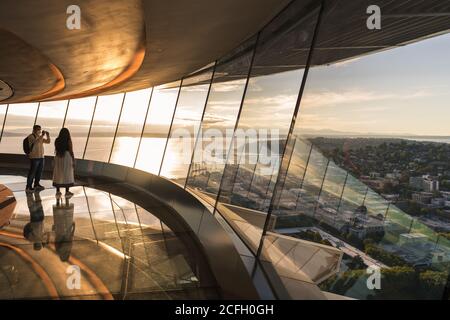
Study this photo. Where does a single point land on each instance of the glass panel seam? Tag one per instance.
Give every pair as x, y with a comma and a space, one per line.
90, 127
4, 121
293, 121
143, 128
170, 127
117, 128
200, 126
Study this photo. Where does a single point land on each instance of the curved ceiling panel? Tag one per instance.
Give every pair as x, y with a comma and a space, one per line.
24, 71
5, 90
121, 45
183, 36
103, 48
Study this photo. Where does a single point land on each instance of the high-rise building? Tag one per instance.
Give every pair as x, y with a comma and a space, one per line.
430, 184
416, 183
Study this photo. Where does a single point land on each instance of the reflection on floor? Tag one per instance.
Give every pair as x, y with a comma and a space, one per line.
94, 245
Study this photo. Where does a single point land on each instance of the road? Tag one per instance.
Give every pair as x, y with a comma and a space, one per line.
337, 243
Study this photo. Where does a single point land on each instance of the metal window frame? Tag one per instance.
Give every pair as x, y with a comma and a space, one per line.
4, 121
199, 131
280, 196
143, 127
321, 187
90, 128
338, 208
37, 113
292, 126
236, 125
65, 115
117, 128
170, 127
303, 177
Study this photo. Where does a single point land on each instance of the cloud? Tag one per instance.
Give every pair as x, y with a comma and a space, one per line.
227, 87
275, 103
332, 98
219, 103
196, 88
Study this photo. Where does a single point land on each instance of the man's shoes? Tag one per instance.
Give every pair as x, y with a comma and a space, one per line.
28, 190
39, 187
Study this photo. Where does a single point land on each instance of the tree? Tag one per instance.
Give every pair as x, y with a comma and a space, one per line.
413, 208
341, 283
356, 263
384, 256
397, 283
432, 284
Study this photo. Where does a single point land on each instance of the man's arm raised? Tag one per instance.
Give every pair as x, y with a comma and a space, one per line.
47, 139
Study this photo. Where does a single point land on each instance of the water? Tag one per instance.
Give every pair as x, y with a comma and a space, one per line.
125, 151
439, 140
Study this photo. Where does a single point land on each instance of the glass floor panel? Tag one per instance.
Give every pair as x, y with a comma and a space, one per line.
93, 245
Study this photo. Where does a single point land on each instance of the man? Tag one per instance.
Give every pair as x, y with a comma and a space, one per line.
36, 141
34, 230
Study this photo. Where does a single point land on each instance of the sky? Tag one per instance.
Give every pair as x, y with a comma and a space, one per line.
402, 91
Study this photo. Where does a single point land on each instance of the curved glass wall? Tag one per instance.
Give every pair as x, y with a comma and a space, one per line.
3, 113
185, 127
104, 127
379, 146
157, 127
219, 120
112, 240
17, 126
78, 120
326, 157
130, 126
51, 114
263, 123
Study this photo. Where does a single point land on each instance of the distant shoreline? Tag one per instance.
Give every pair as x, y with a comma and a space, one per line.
438, 140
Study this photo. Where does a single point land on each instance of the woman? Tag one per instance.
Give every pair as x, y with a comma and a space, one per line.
64, 228
63, 164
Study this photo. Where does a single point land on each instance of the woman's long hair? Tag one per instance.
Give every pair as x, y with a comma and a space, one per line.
63, 143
